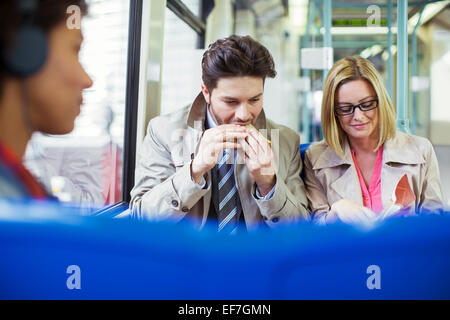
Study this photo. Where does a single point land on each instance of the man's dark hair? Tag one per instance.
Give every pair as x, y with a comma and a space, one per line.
236, 56
49, 14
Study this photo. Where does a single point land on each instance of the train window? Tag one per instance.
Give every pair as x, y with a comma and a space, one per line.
180, 53
85, 166
193, 5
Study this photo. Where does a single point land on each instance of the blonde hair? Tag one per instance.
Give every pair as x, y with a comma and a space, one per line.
345, 70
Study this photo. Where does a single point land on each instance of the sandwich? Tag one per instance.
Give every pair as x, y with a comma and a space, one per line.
250, 126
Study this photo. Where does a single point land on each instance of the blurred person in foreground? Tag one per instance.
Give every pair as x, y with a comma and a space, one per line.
188, 166
41, 83
363, 161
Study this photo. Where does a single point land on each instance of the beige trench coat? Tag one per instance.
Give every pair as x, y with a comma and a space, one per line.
164, 188
329, 178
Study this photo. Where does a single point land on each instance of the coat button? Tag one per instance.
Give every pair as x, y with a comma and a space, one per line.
175, 203
275, 219
185, 209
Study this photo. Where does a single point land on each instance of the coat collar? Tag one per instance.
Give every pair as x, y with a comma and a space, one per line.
400, 149
341, 185
329, 158
197, 115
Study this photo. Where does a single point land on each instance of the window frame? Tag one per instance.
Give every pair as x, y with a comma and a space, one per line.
132, 85
132, 91
131, 100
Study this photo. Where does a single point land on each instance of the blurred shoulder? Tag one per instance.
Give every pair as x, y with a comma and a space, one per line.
316, 150
407, 148
286, 135
173, 120
405, 140
283, 130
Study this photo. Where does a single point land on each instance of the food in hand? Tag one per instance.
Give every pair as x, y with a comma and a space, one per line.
250, 126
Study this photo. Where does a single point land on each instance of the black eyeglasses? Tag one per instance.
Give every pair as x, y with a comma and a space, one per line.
363, 106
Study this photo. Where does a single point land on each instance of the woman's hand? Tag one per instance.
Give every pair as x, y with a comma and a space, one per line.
350, 212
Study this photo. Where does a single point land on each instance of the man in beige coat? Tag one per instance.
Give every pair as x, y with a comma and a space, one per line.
189, 168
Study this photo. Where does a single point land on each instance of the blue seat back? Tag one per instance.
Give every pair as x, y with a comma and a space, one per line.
126, 259
303, 147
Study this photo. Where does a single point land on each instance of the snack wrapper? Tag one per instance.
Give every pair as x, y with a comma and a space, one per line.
402, 199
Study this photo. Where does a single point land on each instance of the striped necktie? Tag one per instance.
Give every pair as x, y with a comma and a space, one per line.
228, 214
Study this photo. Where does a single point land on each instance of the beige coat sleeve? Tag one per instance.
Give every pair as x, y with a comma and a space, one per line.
289, 202
317, 198
431, 196
162, 191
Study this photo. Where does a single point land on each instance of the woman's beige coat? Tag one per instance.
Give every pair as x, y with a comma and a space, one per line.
329, 178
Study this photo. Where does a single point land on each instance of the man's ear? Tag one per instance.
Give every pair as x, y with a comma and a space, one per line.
206, 94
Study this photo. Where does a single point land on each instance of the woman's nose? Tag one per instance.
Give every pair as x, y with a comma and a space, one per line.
358, 114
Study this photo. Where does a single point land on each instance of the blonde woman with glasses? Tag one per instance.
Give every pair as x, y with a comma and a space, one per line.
352, 174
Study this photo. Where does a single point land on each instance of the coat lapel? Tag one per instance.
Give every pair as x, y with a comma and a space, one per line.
346, 183
347, 186
196, 124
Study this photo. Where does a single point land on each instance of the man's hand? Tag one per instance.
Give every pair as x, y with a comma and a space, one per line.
213, 142
350, 212
259, 159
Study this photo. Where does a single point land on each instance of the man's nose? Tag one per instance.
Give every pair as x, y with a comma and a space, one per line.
243, 112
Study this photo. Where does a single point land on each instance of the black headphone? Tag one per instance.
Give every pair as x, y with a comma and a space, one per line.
28, 50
